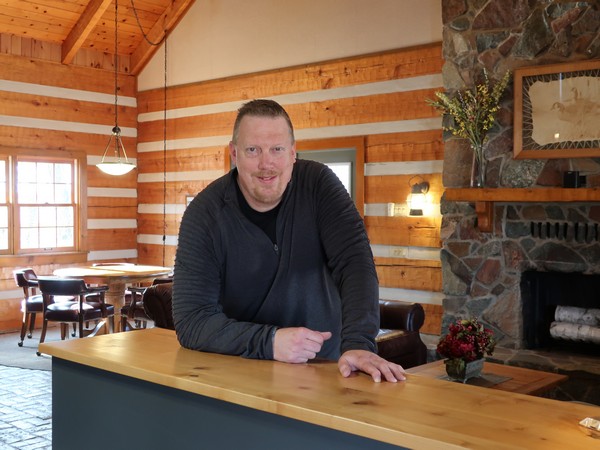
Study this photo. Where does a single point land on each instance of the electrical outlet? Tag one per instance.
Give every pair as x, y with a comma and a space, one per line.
400, 209
398, 252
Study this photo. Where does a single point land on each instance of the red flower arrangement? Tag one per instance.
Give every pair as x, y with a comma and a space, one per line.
467, 340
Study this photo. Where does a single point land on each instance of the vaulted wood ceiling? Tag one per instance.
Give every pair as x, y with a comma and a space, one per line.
77, 25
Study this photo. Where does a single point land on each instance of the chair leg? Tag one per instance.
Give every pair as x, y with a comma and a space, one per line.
31, 324
64, 330
43, 335
23, 329
81, 332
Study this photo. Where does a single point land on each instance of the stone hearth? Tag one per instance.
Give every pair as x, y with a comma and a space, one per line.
583, 371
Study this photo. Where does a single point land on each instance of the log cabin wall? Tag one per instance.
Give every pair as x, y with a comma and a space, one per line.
378, 99
46, 106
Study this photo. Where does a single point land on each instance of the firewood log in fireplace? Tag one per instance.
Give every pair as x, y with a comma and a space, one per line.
582, 316
575, 332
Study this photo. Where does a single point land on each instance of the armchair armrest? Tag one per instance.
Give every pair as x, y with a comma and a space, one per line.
396, 315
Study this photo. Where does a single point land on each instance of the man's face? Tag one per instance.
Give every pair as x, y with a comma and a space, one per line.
264, 156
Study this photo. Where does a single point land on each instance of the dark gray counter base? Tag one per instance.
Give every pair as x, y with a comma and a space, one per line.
96, 409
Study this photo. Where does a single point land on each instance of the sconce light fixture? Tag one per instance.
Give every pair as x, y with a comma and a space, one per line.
120, 166
417, 199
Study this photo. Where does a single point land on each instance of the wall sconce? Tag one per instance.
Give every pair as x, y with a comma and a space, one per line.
417, 199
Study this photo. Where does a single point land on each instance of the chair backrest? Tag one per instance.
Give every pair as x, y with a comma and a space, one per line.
62, 286
27, 280
25, 277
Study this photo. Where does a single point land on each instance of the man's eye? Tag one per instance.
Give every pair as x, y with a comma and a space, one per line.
251, 150
278, 149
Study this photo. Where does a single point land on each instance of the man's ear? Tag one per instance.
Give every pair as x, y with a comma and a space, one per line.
232, 153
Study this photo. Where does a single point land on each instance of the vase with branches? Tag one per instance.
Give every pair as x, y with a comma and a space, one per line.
473, 113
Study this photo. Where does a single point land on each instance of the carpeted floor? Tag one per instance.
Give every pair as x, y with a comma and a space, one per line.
25, 357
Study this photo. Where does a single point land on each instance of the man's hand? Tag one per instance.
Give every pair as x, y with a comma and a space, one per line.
297, 345
371, 364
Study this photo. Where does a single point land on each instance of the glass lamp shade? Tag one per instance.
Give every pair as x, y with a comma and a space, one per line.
118, 167
416, 203
417, 200
115, 168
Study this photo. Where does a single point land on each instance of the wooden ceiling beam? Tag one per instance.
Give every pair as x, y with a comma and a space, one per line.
84, 26
167, 21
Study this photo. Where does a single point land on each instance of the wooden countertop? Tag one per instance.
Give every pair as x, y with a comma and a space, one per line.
421, 413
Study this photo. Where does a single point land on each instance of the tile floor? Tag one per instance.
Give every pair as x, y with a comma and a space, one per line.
25, 393
25, 409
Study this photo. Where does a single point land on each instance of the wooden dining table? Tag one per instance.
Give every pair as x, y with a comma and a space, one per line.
116, 277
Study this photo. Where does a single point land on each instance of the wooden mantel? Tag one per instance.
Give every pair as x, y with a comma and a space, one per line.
484, 198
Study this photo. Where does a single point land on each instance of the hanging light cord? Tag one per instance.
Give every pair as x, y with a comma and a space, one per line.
164, 39
116, 77
164, 238
142, 30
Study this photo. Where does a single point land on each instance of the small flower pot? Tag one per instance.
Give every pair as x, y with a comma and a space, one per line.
459, 370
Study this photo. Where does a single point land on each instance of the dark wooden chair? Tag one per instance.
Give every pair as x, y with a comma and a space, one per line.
88, 307
32, 303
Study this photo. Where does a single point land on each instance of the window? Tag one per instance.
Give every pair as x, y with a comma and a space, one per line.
345, 156
340, 161
39, 209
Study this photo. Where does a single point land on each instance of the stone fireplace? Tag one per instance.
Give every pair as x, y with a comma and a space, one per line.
490, 275
484, 273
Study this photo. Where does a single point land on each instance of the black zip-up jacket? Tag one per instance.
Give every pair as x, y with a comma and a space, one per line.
233, 287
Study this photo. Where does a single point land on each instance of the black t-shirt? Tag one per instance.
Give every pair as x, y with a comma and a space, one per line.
266, 221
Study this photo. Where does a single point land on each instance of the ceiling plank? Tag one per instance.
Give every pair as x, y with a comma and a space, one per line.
167, 21
84, 26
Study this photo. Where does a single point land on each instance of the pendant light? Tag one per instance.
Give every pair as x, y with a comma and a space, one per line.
121, 165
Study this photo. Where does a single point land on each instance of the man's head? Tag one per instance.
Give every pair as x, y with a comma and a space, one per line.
264, 150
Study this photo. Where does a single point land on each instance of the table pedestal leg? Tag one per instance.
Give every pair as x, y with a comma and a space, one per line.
116, 296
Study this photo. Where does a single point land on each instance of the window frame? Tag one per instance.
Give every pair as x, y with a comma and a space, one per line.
5, 203
79, 169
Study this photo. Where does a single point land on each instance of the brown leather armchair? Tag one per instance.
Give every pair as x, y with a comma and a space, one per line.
398, 340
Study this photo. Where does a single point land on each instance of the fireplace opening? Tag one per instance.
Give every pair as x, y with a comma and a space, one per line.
561, 311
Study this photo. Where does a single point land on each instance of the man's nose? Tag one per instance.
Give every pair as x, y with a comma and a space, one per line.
265, 159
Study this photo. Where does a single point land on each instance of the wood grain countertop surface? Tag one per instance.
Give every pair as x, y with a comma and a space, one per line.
420, 413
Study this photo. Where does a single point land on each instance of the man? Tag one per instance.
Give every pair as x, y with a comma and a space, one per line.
273, 260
